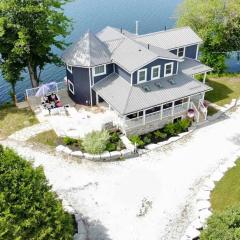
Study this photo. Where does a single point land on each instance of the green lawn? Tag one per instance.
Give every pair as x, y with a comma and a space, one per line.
225, 88
212, 111
227, 191
13, 119
48, 138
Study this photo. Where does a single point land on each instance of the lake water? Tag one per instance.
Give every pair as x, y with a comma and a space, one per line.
153, 15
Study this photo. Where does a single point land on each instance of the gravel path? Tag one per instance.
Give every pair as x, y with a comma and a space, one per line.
149, 197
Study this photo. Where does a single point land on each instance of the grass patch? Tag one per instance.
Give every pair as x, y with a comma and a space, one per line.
225, 88
48, 138
13, 119
212, 111
227, 190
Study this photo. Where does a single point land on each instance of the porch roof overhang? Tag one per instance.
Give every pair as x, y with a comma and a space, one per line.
126, 98
192, 67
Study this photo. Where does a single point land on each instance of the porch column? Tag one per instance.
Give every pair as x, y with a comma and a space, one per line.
189, 100
173, 108
161, 112
144, 117
204, 78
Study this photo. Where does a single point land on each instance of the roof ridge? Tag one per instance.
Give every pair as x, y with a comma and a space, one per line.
162, 31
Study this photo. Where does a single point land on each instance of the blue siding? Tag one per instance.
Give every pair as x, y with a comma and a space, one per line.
109, 70
157, 62
121, 72
191, 51
80, 80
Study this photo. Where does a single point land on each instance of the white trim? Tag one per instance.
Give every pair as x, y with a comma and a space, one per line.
165, 68
159, 72
114, 67
138, 75
69, 68
72, 85
188, 45
90, 88
131, 78
177, 68
184, 52
102, 73
197, 52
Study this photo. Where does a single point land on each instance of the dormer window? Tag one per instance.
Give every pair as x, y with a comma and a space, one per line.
69, 68
168, 70
99, 70
155, 74
181, 52
142, 75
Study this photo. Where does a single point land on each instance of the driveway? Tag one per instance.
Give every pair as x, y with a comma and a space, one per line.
160, 186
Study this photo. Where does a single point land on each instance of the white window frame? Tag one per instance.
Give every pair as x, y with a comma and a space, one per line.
159, 72
165, 69
71, 85
100, 74
140, 71
69, 68
184, 50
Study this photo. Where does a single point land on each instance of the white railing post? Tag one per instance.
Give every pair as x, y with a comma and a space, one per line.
173, 108
144, 117
161, 113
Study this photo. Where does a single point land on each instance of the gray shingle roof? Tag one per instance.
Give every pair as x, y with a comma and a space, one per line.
191, 67
126, 99
87, 52
170, 39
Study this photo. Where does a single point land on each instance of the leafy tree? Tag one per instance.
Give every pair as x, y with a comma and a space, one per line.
30, 29
11, 70
218, 23
223, 225
28, 207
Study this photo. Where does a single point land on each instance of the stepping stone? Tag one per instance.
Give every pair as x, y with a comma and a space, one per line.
209, 185
204, 215
204, 204
203, 195
197, 224
217, 176
192, 232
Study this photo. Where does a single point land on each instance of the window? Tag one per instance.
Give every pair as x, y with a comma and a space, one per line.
69, 68
181, 52
168, 69
155, 72
100, 70
70, 87
167, 105
142, 75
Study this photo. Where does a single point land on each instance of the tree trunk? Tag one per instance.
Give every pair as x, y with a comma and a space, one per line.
14, 96
33, 75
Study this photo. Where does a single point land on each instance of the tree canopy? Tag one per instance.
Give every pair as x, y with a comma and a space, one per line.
223, 225
218, 24
29, 30
28, 207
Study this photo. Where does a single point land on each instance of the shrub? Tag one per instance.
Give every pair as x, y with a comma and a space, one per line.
29, 209
147, 139
69, 141
159, 135
184, 124
114, 137
96, 141
169, 129
223, 225
135, 139
111, 147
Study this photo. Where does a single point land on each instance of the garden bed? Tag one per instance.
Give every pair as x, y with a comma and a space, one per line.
161, 135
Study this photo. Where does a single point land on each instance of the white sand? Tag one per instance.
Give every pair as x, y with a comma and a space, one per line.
110, 195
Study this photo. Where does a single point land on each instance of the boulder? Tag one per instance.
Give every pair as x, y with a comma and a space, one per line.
77, 154
115, 155
105, 155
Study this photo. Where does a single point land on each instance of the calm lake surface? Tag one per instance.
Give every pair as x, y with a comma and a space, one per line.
153, 15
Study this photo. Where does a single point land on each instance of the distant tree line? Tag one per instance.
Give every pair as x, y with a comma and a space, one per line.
218, 24
29, 30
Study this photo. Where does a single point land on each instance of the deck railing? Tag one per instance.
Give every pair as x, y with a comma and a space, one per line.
153, 117
58, 87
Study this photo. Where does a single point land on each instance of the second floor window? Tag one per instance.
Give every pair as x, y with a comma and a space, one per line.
168, 69
100, 70
155, 72
142, 75
181, 52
